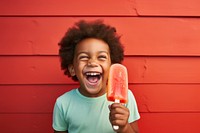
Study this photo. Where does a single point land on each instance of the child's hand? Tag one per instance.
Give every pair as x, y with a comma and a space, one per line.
119, 115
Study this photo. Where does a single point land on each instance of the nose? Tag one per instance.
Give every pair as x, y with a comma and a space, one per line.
92, 63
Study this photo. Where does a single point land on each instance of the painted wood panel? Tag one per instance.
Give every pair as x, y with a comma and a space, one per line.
168, 7
163, 69
32, 70
101, 8
160, 98
162, 50
26, 123
68, 7
140, 36
151, 98
169, 123
150, 122
46, 70
27, 99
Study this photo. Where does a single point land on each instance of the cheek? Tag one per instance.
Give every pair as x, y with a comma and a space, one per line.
79, 67
106, 68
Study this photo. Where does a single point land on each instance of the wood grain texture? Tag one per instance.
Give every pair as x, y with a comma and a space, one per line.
169, 122
30, 98
163, 69
46, 70
168, 8
162, 55
141, 36
101, 8
26, 123
167, 98
68, 7
150, 122
151, 98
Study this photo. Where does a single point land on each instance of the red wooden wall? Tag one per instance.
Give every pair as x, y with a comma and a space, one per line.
162, 48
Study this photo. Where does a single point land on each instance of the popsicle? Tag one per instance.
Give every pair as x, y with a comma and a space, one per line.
117, 88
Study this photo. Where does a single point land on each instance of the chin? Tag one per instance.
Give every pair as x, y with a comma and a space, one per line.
94, 91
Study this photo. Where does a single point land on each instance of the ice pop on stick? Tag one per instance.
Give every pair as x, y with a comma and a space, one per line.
117, 88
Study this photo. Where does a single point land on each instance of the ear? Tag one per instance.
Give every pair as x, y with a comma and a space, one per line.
71, 70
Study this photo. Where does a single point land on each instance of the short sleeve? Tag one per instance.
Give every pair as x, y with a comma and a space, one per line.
59, 123
132, 106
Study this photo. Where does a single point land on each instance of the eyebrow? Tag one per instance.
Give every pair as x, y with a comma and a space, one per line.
98, 52
104, 52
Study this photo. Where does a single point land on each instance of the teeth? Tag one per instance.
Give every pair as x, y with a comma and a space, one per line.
92, 74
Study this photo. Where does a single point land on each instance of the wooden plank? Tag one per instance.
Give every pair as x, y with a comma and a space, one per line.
140, 36
153, 98
46, 70
149, 122
26, 123
167, 97
101, 8
168, 8
163, 69
30, 98
68, 7
32, 70
169, 123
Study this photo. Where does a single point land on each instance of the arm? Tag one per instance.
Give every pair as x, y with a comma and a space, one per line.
119, 115
58, 120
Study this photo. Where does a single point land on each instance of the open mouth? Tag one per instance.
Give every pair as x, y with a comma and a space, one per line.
93, 77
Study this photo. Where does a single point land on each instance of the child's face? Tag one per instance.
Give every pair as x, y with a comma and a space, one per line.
91, 66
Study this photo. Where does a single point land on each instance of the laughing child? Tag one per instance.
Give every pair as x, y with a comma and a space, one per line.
87, 51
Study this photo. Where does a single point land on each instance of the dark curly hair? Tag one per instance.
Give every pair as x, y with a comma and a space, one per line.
82, 30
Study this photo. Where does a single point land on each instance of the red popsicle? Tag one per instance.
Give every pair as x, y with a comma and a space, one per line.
117, 84
117, 88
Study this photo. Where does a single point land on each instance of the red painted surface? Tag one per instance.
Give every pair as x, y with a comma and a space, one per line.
68, 7
151, 98
141, 36
46, 70
162, 57
168, 8
169, 122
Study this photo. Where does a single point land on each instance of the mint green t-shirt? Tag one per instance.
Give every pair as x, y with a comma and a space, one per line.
76, 113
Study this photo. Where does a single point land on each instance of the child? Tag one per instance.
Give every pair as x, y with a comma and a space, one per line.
87, 51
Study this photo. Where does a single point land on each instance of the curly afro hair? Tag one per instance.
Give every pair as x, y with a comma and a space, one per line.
82, 30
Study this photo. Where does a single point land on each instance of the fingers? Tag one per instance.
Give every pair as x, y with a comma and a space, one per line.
119, 114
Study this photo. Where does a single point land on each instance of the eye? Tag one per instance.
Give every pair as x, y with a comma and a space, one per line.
83, 57
102, 57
